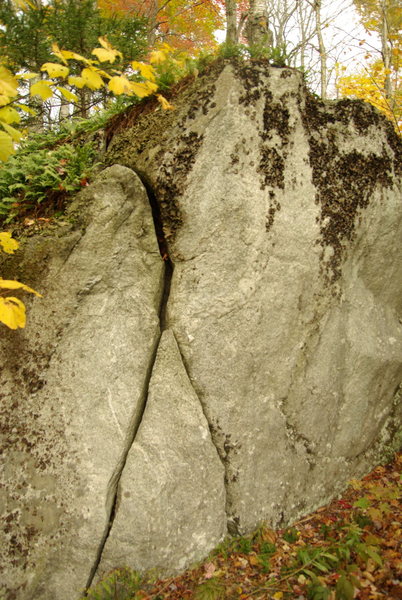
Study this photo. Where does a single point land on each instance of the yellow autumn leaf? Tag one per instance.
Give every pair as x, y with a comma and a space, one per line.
76, 81
11, 284
157, 57
105, 55
24, 3
25, 108
8, 86
55, 70
12, 312
107, 45
57, 52
164, 103
66, 55
105, 74
67, 94
42, 89
119, 85
6, 146
8, 244
27, 76
146, 71
8, 114
92, 79
278, 596
12, 132
143, 89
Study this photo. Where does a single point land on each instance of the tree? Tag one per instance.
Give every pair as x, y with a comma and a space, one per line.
384, 17
184, 25
257, 29
317, 8
27, 35
369, 84
378, 80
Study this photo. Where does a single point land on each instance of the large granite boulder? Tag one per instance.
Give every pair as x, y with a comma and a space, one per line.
155, 403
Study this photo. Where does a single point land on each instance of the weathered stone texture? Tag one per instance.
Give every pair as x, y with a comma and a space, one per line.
67, 413
286, 288
276, 377
171, 500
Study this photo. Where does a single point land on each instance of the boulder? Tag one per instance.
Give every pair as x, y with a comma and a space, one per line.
156, 403
283, 218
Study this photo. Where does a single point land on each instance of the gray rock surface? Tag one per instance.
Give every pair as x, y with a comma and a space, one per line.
276, 378
68, 415
171, 500
284, 219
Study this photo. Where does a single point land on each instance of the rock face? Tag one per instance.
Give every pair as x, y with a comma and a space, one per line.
153, 405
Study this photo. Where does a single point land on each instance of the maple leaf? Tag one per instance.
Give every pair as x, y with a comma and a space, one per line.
164, 103
67, 94
13, 133
119, 84
77, 81
146, 71
8, 114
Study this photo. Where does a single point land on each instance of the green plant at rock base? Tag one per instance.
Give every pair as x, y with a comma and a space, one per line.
210, 590
120, 584
35, 177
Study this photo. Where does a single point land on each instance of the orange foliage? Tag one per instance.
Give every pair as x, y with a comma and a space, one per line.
184, 25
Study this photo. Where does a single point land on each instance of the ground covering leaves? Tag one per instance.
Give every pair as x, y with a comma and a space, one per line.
348, 549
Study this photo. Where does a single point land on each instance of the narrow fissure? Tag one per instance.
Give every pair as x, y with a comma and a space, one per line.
112, 499
223, 458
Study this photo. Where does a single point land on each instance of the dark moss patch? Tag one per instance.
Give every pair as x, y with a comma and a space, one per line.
275, 119
345, 182
251, 79
274, 207
161, 146
361, 114
203, 102
272, 168
171, 180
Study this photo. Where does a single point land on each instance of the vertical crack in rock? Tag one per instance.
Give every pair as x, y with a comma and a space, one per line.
222, 458
112, 497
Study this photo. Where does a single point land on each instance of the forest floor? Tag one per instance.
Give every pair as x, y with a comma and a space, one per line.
350, 548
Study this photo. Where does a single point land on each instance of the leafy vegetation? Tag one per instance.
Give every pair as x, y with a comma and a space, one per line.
36, 178
348, 549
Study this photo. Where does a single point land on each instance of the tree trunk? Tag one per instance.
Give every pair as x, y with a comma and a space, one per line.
257, 31
386, 53
321, 49
231, 22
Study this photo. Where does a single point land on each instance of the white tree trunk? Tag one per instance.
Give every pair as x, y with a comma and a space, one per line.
321, 49
231, 22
